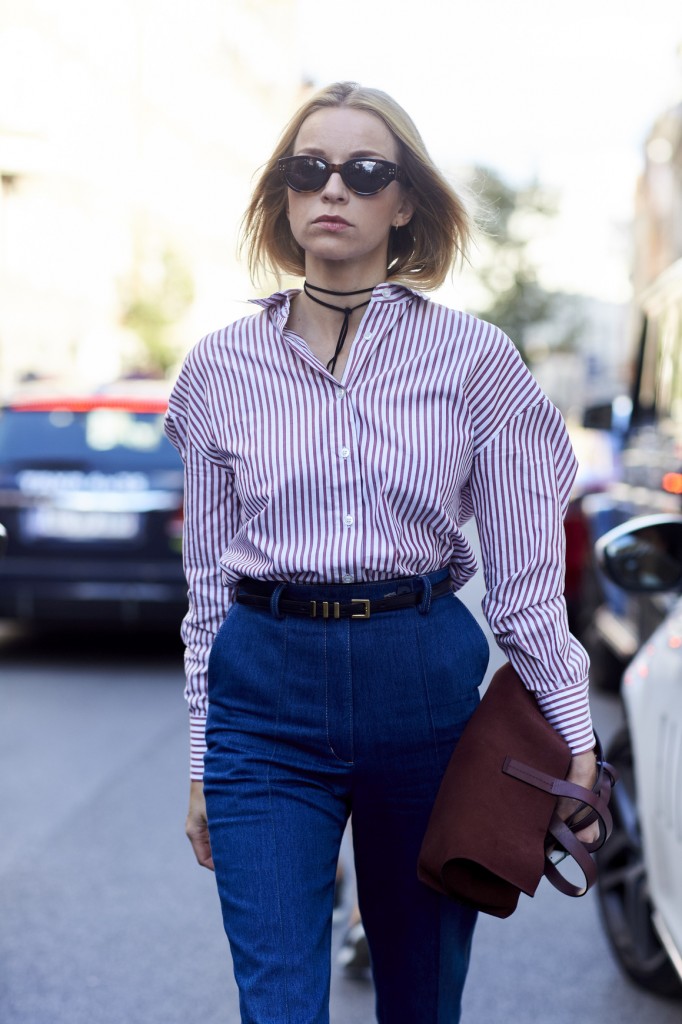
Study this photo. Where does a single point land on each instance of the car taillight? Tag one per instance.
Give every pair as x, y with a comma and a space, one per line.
672, 483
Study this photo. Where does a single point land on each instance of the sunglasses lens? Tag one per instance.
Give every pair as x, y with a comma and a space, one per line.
305, 173
367, 176
363, 176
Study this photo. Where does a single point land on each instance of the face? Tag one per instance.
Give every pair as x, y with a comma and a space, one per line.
337, 228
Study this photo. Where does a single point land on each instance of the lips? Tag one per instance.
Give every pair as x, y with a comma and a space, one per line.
331, 221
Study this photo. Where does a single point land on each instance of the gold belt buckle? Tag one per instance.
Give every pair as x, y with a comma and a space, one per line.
336, 610
364, 614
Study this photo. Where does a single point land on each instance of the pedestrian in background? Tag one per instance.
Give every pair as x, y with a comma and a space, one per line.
335, 443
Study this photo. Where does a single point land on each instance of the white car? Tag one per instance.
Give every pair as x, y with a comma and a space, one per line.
640, 868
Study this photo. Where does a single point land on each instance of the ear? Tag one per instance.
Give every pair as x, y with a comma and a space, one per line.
403, 214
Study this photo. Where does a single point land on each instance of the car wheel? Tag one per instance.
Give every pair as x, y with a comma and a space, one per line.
622, 887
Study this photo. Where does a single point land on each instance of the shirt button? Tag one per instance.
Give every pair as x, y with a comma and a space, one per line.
347, 578
348, 520
340, 392
345, 452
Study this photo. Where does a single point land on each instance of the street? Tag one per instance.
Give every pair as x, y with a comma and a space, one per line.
106, 919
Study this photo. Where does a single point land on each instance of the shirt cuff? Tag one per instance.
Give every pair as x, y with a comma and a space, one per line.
568, 711
197, 746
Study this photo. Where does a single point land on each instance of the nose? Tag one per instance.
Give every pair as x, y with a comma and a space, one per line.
335, 188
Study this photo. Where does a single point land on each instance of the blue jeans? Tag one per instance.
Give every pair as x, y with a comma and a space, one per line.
310, 720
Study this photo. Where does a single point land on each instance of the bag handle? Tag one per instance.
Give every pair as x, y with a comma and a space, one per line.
566, 839
562, 833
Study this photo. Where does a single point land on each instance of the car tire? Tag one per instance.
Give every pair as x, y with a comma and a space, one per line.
622, 886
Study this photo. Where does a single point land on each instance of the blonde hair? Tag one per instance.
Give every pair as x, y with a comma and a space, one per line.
420, 254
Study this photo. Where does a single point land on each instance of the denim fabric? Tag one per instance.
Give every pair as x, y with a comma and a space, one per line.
310, 721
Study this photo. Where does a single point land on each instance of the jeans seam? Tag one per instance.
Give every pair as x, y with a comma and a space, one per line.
426, 689
272, 822
341, 760
350, 698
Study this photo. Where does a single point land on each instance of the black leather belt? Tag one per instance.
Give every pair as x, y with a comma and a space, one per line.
257, 594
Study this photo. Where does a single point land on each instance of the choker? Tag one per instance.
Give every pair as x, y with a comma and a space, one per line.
346, 310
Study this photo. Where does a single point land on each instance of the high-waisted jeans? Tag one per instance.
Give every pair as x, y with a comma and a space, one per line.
310, 721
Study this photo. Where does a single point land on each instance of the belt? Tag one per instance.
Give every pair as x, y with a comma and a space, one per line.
258, 593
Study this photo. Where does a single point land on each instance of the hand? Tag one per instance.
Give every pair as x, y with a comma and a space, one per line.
196, 826
583, 772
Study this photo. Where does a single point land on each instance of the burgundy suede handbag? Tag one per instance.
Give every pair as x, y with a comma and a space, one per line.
494, 831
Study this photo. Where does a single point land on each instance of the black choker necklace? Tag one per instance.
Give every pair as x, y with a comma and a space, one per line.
346, 310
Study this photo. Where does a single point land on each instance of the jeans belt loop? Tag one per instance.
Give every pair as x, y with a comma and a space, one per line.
274, 600
424, 606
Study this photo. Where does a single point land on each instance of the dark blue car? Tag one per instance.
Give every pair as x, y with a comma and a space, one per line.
91, 498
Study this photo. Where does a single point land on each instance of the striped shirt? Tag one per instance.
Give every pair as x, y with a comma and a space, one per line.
293, 475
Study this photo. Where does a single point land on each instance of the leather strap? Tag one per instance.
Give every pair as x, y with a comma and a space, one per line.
596, 798
256, 594
561, 834
578, 851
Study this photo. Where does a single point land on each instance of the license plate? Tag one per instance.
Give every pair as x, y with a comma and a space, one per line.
44, 523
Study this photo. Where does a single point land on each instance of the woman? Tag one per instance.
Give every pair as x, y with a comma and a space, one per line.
334, 445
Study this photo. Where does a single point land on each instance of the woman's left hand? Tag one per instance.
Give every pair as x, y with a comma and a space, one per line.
583, 772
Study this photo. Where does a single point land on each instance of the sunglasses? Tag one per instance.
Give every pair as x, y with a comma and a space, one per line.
364, 176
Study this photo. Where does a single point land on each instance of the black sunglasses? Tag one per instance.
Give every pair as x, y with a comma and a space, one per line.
364, 176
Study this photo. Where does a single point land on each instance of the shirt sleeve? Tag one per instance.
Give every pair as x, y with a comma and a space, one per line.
211, 518
520, 486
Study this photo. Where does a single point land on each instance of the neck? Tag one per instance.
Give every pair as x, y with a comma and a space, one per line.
309, 287
345, 275
345, 302
339, 302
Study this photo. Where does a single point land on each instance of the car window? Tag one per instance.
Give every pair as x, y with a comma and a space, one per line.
111, 439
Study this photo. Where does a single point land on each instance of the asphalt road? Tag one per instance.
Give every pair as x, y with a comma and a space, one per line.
106, 919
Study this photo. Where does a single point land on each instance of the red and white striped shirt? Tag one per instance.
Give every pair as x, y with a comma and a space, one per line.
293, 475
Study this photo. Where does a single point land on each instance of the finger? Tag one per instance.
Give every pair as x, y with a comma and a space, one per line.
202, 848
589, 834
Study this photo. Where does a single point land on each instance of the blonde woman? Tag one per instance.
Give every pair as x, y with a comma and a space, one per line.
334, 443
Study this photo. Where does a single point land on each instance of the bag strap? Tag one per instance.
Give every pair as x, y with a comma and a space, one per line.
566, 839
561, 834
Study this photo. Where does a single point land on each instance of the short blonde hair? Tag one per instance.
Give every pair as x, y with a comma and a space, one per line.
420, 254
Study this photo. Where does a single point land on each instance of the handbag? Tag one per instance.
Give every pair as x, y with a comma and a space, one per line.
494, 831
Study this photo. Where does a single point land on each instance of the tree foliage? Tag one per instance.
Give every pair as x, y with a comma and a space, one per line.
153, 303
513, 297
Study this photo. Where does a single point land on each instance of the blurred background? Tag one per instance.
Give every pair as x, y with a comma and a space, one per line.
130, 136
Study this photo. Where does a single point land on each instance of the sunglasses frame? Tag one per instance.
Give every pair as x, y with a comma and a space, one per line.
394, 171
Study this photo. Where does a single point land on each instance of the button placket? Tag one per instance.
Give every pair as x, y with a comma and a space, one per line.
348, 488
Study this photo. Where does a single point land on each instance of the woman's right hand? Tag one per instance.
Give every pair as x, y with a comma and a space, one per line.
196, 826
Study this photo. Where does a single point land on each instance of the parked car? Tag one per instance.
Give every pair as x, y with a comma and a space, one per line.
640, 868
646, 478
91, 496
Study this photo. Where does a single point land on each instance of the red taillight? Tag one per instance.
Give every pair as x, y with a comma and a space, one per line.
672, 483
134, 405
